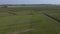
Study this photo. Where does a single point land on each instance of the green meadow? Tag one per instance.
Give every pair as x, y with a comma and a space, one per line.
29, 20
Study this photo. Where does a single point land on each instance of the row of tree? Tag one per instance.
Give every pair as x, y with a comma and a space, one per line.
5, 6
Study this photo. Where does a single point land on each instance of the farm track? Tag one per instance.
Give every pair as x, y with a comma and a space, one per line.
17, 32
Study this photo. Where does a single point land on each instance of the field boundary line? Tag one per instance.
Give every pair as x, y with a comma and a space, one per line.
49, 18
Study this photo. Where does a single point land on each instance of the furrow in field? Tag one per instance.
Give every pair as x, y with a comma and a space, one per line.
51, 17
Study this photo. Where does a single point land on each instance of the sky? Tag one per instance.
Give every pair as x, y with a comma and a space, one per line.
29, 1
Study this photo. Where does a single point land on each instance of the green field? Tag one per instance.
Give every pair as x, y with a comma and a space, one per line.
28, 20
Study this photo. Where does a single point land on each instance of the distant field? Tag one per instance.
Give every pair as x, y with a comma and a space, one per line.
29, 20
16, 9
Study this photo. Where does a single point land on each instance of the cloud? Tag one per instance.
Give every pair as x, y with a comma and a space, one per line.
29, 1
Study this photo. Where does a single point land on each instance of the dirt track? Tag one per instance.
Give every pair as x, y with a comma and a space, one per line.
17, 32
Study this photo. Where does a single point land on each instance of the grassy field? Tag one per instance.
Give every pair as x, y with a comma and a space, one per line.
28, 20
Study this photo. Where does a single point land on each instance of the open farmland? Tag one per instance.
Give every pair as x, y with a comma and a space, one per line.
28, 20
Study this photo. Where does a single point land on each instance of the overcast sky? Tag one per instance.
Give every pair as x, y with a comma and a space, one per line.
29, 1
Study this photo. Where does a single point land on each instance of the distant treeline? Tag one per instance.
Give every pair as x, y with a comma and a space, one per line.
29, 5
